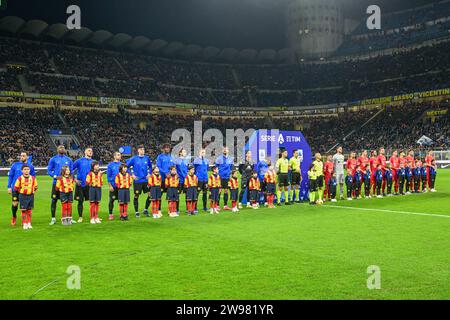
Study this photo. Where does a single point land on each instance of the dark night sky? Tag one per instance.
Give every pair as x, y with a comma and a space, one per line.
241, 24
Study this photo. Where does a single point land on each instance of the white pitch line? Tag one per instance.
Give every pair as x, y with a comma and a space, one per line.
392, 211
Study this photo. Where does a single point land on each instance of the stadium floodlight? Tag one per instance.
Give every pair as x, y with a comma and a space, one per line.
2, 4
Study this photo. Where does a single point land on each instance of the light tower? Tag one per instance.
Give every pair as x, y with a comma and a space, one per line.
314, 27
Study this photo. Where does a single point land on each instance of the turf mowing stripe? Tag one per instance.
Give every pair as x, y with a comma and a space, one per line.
392, 211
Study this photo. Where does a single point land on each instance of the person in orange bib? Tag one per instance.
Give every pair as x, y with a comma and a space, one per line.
66, 185
94, 180
26, 186
123, 182
191, 187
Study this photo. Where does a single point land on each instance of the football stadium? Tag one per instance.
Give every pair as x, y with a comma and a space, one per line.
225, 150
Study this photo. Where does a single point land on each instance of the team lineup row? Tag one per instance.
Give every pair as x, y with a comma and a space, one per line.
82, 180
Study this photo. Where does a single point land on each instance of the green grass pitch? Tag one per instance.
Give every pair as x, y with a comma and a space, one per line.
293, 252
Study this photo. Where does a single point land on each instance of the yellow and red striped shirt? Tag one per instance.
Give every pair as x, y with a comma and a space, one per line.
270, 177
123, 181
155, 180
191, 181
65, 184
94, 179
254, 184
172, 181
233, 184
26, 185
214, 181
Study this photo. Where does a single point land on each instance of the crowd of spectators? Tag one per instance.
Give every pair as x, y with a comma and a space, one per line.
395, 127
53, 84
90, 72
25, 130
9, 81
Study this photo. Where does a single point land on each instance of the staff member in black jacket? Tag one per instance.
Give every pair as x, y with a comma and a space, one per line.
246, 169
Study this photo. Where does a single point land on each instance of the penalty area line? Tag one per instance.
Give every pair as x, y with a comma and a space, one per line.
391, 211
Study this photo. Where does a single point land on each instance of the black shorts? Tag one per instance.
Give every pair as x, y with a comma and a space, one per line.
172, 194
271, 188
81, 193
203, 185
55, 193
155, 193
66, 197
312, 185
320, 182
191, 194
283, 179
14, 195
140, 187
95, 194
234, 194
114, 195
123, 195
26, 201
224, 183
254, 195
214, 196
295, 178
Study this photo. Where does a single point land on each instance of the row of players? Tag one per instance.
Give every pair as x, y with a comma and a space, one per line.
265, 178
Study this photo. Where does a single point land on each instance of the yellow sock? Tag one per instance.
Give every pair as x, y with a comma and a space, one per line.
297, 194
278, 196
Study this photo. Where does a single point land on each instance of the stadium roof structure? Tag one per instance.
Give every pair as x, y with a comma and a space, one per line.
40, 30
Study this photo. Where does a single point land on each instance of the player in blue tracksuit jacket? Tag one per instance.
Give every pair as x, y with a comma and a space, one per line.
201, 165
54, 170
80, 170
140, 167
164, 161
181, 163
225, 165
111, 172
14, 173
261, 168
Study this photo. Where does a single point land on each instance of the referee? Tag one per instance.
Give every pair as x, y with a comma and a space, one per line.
318, 165
282, 168
296, 176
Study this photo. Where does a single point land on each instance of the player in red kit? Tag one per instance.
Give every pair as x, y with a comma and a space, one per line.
428, 159
352, 163
328, 169
395, 165
382, 161
402, 159
373, 161
363, 161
